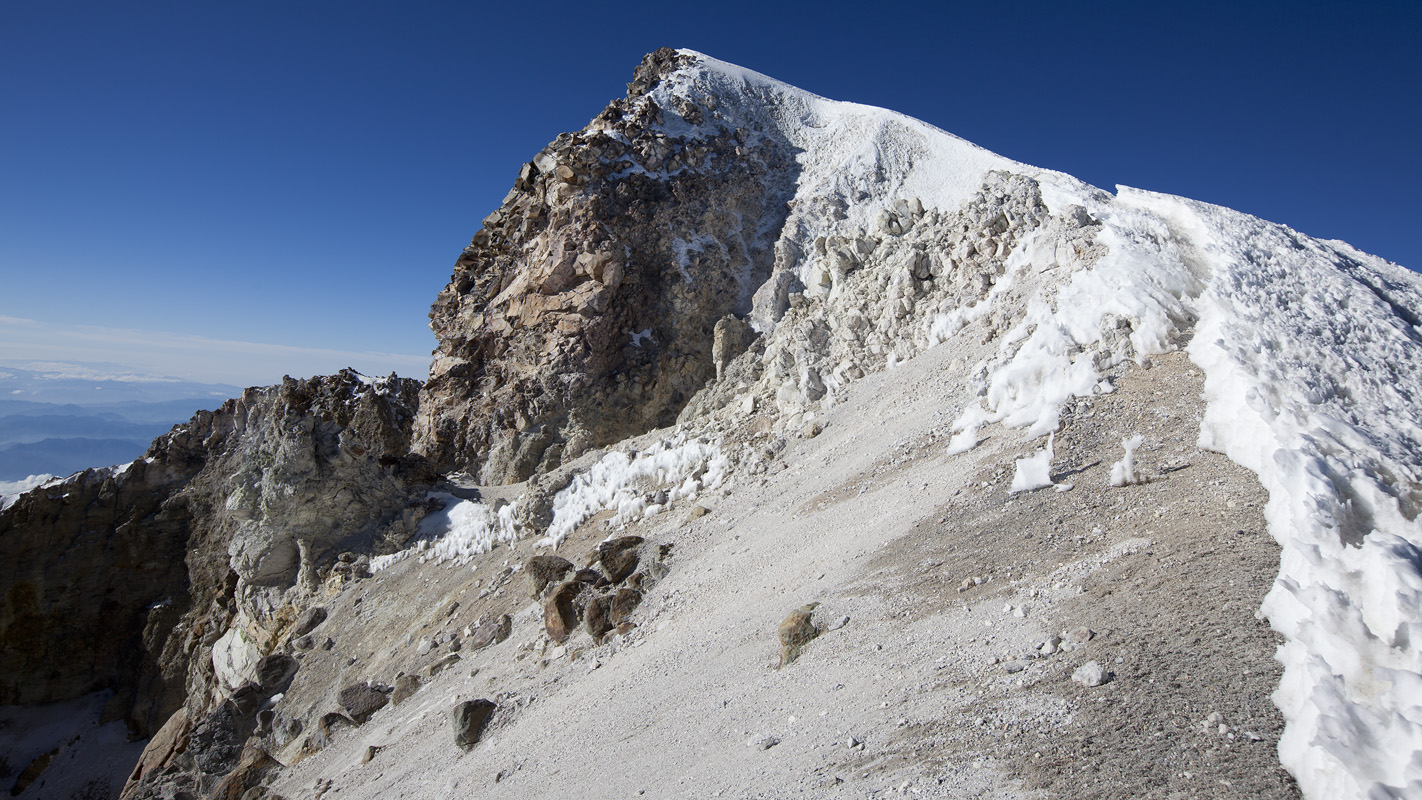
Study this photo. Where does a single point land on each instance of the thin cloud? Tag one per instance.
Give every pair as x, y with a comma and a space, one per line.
194, 358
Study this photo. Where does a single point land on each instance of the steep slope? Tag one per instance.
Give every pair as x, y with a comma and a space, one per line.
898, 236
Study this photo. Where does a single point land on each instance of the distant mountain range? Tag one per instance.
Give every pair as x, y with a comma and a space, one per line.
62, 417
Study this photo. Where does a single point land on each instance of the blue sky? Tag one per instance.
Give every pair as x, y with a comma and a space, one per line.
230, 192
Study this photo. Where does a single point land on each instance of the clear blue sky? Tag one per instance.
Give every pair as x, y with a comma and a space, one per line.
286, 185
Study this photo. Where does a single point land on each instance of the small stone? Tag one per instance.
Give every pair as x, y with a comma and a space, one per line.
370, 753
1014, 667
1090, 674
425, 647
468, 719
698, 512
812, 430
560, 614
839, 623
1080, 636
1253, 737
764, 742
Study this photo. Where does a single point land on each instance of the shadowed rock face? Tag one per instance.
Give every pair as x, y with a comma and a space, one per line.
572, 320
122, 577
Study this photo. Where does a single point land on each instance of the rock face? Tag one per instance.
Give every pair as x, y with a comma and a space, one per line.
584, 310
126, 577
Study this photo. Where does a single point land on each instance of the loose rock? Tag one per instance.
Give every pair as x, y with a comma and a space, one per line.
468, 719
795, 632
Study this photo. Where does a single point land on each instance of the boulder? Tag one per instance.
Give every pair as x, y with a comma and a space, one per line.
619, 557
275, 673
309, 619
622, 605
363, 699
469, 719
544, 570
405, 687
596, 616
561, 613
491, 630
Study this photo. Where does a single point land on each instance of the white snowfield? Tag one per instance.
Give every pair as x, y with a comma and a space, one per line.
1312, 354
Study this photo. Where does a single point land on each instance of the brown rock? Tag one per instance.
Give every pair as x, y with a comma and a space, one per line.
795, 632
255, 764
543, 570
619, 557
623, 604
561, 613
595, 616
405, 687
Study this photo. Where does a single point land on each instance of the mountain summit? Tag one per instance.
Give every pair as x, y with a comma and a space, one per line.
796, 447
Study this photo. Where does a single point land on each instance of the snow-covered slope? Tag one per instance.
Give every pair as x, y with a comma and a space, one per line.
1311, 350
1312, 353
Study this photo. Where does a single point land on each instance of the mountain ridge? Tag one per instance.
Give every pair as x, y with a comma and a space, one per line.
675, 302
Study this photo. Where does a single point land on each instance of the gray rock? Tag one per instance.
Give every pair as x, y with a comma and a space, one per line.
469, 719
363, 699
490, 631
1090, 674
308, 620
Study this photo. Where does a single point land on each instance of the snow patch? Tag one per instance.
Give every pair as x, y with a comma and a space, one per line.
1123, 472
10, 491
1034, 472
631, 484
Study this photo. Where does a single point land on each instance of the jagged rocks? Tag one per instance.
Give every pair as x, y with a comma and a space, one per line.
795, 632
363, 699
469, 719
224, 514
584, 310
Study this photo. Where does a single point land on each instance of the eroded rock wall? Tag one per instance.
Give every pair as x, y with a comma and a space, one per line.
126, 577
583, 311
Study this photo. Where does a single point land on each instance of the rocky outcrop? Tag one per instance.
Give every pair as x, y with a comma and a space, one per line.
128, 577
584, 310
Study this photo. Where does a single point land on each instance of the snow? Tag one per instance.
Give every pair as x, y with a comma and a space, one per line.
1312, 354
628, 485
1123, 472
10, 491
1034, 472
460, 530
